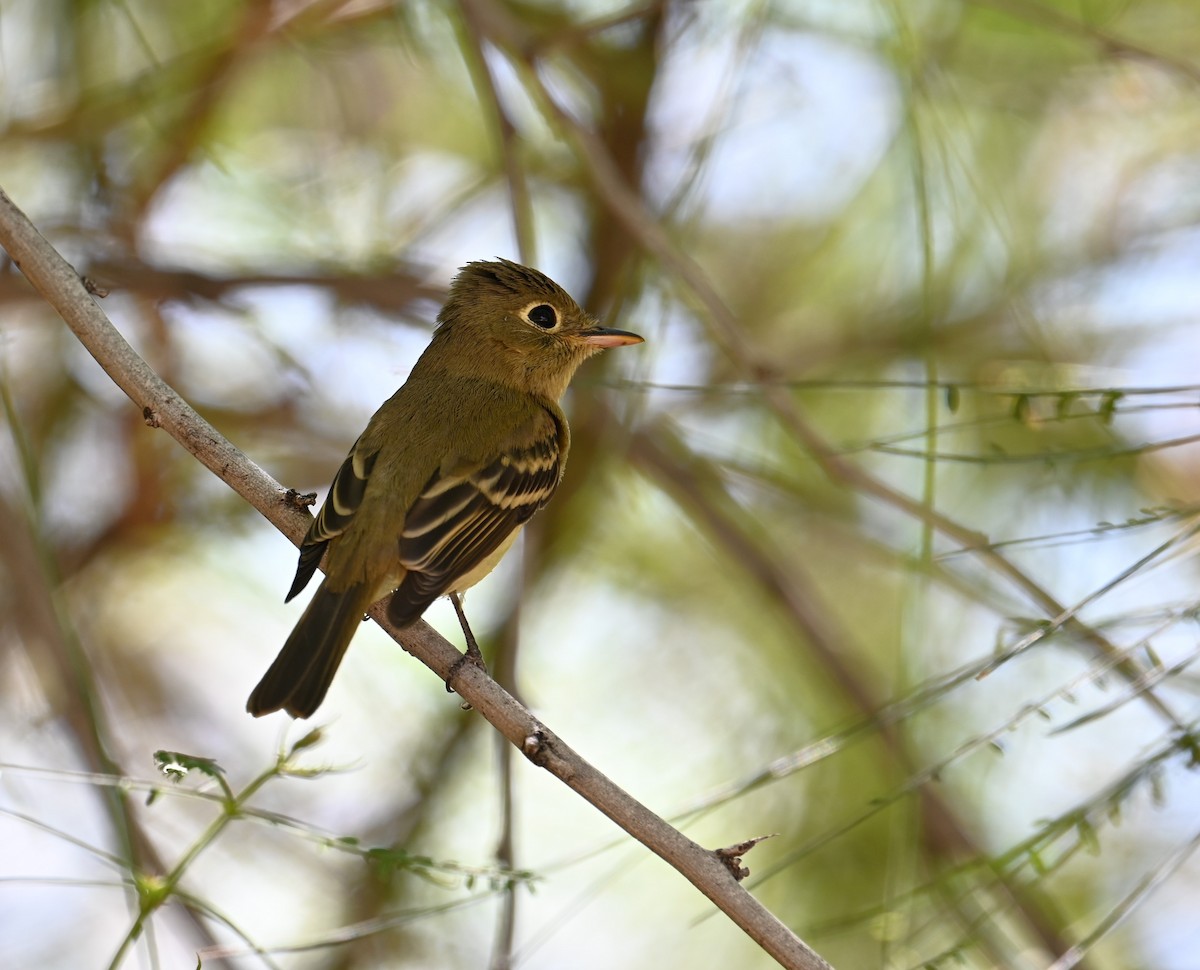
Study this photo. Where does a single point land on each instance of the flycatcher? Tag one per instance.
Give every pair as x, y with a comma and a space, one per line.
435, 490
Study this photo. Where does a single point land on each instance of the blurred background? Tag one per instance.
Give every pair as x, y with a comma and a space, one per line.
919, 400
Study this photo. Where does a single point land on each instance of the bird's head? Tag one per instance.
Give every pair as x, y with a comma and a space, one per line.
521, 327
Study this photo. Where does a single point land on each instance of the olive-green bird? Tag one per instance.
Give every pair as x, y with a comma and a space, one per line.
448, 470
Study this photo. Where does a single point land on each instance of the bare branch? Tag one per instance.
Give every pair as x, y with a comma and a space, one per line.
162, 407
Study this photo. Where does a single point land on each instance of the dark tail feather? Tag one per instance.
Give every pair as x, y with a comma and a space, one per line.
298, 679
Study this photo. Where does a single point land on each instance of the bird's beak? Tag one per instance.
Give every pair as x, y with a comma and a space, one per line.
604, 337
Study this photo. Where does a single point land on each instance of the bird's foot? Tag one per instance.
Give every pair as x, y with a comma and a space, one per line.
472, 658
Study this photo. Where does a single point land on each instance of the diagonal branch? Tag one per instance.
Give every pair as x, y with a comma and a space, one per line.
162, 407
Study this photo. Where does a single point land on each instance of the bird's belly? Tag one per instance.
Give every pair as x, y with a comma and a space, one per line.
467, 580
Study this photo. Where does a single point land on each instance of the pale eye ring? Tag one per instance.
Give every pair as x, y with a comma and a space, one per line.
541, 315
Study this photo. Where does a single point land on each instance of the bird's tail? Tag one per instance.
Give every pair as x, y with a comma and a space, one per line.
298, 679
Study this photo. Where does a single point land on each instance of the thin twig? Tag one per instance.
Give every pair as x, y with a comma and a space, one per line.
1117, 915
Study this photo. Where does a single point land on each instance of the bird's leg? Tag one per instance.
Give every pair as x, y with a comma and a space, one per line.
473, 651
473, 656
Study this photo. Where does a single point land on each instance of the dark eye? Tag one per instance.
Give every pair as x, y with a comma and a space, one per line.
543, 315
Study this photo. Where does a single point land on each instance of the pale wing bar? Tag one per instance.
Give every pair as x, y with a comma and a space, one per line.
458, 522
344, 498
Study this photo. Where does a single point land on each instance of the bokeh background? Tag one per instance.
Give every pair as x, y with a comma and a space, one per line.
919, 281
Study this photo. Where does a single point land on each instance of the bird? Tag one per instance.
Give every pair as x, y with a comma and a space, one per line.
445, 475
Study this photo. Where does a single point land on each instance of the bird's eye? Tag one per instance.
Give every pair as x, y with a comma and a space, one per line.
542, 315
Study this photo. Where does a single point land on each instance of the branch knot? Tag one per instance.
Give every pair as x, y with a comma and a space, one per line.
731, 855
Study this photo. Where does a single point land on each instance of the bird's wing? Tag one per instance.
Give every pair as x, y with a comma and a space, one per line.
460, 519
344, 498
